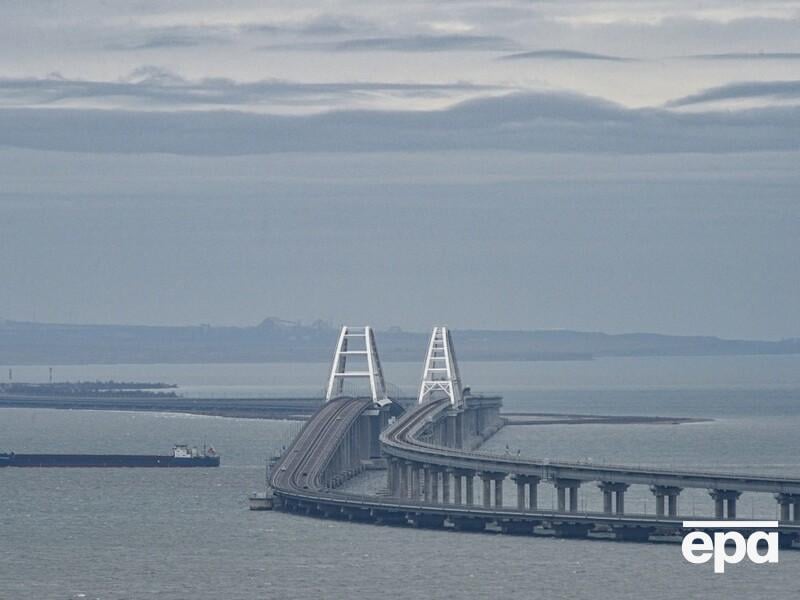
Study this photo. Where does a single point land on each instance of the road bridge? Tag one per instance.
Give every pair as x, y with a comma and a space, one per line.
432, 465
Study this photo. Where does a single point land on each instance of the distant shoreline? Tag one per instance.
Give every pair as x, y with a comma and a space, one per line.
298, 409
539, 418
276, 341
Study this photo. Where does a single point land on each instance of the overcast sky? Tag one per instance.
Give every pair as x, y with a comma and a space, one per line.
617, 166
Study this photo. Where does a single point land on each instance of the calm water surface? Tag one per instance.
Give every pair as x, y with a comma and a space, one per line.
150, 534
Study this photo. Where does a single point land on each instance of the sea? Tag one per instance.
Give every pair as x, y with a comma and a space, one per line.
147, 534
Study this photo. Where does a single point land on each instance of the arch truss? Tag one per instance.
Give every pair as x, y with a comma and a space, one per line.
441, 376
356, 359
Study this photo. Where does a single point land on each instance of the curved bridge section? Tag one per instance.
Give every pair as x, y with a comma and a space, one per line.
327, 450
432, 470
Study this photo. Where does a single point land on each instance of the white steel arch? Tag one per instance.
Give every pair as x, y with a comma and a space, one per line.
441, 369
357, 342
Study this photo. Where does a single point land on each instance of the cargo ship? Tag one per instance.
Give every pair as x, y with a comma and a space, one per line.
182, 456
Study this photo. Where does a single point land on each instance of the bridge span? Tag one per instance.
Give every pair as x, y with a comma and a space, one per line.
429, 453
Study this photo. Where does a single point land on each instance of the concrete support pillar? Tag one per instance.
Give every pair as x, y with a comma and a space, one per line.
660, 505
414, 474
785, 502
435, 485
732, 507
607, 502
620, 501
389, 478
487, 489
613, 496
672, 501
392, 484
561, 486
668, 494
527, 491
459, 430
426, 483
498, 491
375, 433
521, 483
470, 488
720, 497
719, 508
445, 487
561, 497
404, 491
533, 493
456, 487
573, 499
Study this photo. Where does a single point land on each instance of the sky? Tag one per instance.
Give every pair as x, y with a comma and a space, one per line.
595, 165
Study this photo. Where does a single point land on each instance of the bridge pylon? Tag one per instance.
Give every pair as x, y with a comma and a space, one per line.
356, 358
441, 375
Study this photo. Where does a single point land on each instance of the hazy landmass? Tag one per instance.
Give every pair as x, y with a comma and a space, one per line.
277, 341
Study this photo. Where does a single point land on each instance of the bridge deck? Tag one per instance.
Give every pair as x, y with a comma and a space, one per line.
299, 483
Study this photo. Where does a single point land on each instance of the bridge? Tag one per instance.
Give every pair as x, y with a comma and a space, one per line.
431, 457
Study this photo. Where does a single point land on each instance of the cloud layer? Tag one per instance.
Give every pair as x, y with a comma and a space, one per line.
155, 87
544, 122
748, 90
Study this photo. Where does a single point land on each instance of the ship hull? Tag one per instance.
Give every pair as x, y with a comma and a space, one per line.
105, 460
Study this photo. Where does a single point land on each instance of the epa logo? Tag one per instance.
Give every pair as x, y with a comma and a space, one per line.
730, 547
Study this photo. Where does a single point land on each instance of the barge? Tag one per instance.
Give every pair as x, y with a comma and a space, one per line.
182, 456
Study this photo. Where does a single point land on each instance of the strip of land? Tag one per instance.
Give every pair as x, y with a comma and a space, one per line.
536, 418
287, 408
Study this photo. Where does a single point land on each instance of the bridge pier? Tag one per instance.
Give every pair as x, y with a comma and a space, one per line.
405, 479
486, 478
670, 493
457, 486
445, 487
786, 502
529, 484
426, 483
720, 497
613, 496
470, 488
435, 485
498, 491
562, 485
391, 476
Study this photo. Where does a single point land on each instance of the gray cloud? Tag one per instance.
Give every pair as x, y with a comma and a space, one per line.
155, 86
749, 56
428, 43
561, 54
409, 43
321, 25
171, 37
774, 90
190, 35
545, 122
